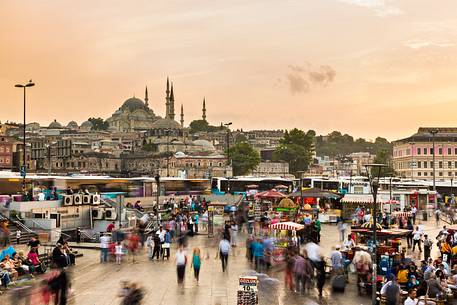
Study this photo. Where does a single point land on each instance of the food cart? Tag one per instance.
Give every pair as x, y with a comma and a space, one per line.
282, 232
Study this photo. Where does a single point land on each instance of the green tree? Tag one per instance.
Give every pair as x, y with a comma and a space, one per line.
98, 124
198, 126
244, 158
383, 157
296, 149
239, 138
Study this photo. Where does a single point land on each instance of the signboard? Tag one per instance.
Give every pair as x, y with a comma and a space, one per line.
247, 291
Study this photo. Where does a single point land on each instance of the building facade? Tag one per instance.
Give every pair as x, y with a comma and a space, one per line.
413, 156
6, 153
265, 169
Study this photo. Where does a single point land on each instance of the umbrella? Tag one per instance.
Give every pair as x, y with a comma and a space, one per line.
281, 187
272, 194
316, 193
289, 225
252, 186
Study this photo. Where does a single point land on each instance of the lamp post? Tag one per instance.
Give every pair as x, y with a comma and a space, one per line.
374, 174
229, 161
412, 159
434, 132
157, 178
24, 166
168, 152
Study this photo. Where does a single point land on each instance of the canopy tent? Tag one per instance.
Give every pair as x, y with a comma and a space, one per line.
287, 203
385, 234
289, 225
315, 193
366, 199
271, 194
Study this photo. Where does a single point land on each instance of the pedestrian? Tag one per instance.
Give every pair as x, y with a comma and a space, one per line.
166, 245
133, 295
104, 244
196, 221
414, 213
181, 261
119, 251
157, 247
337, 260
409, 237
427, 247
18, 236
78, 235
320, 275
288, 276
150, 246
257, 252
342, 229
437, 217
233, 233
224, 249
417, 235
317, 224
196, 263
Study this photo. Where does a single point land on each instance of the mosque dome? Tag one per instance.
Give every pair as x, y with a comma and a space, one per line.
55, 125
204, 143
166, 124
72, 125
133, 104
87, 125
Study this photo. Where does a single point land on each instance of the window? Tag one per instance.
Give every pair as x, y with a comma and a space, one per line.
7, 149
449, 164
440, 164
440, 174
425, 164
419, 164
440, 151
419, 174
1, 160
449, 174
57, 164
449, 151
431, 150
425, 173
455, 151
425, 150
408, 151
7, 160
431, 164
1, 149
455, 164
431, 173
418, 151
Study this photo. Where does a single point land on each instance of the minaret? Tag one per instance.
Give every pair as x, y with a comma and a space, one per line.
172, 104
204, 110
167, 100
146, 99
182, 116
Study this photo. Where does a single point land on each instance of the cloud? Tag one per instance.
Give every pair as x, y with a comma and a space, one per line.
382, 8
302, 78
419, 44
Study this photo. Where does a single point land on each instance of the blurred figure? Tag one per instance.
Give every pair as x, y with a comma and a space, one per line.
196, 263
181, 261
119, 252
131, 294
58, 286
224, 249
150, 246
104, 245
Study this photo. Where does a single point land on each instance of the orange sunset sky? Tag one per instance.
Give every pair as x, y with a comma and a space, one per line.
364, 67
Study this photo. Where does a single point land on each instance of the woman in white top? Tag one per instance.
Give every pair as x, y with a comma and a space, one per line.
181, 261
233, 234
118, 251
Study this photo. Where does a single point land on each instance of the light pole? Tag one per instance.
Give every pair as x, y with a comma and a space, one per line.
24, 166
157, 178
374, 183
412, 159
434, 132
229, 161
168, 152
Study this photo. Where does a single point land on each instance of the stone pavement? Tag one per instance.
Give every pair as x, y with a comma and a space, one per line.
98, 284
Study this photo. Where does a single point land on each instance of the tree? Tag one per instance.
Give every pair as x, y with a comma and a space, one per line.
240, 138
244, 158
383, 157
198, 126
296, 149
98, 124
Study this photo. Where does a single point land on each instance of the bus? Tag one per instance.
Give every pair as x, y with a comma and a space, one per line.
239, 185
322, 183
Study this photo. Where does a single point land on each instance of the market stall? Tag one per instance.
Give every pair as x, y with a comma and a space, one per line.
283, 232
325, 204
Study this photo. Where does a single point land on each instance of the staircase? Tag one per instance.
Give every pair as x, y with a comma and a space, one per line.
16, 225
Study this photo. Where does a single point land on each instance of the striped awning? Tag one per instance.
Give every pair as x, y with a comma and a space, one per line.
366, 199
289, 225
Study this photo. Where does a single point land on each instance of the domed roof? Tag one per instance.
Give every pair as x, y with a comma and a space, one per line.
55, 125
87, 125
72, 125
204, 143
165, 124
132, 104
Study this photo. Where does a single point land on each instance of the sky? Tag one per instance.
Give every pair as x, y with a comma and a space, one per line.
364, 67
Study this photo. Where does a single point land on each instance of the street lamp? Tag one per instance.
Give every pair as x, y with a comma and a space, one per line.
434, 132
228, 153
24, 166
374, 174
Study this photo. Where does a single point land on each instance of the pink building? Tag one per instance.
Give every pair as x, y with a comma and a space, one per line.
6, 153
413, 156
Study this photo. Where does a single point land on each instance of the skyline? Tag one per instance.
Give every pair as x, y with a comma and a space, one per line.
363, 67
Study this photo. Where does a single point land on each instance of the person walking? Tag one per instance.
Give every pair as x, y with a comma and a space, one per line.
118, 252
18, 236
233, 234
181, 261
427, 247
104, 244
437, 217
299, 273
224, 249
320, 275
150, 246
417, 235
196, 263
166, 245
409, 237
342, 229
157, 247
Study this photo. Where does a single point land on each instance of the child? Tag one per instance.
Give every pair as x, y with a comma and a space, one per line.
196, 263
150, 245
119, 252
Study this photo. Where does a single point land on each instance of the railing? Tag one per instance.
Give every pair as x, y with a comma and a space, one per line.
44, 229
22, 226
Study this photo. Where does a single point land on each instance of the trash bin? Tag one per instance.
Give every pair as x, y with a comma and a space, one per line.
424, 215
